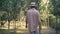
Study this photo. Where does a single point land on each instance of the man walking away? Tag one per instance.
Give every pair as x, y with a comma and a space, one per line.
33, 19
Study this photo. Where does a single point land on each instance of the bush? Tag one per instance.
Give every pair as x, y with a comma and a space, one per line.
53, 24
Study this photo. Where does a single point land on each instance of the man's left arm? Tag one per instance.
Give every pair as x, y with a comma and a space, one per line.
39, 23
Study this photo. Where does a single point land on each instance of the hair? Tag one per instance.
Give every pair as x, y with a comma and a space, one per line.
33, 7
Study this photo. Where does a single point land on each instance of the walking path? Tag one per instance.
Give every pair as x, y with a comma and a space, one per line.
48, 30
45, 30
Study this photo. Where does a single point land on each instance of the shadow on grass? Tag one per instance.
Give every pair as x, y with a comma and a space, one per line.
5, 31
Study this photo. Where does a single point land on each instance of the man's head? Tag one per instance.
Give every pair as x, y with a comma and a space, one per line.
33, 5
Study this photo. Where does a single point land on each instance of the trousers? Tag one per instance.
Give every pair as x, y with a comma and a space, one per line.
34, 32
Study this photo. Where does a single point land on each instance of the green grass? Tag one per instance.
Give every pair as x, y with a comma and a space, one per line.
20, 29
5, 31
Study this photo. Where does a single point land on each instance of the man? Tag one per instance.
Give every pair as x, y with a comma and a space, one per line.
33, 19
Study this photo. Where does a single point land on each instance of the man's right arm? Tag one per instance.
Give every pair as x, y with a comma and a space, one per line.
26, 21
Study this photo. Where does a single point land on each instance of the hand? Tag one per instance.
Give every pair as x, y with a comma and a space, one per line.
26, 26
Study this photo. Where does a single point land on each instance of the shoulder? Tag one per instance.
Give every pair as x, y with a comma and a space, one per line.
28, 11
37, 11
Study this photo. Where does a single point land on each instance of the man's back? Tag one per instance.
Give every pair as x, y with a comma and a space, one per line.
33, 19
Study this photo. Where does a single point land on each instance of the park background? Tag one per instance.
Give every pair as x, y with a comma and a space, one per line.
13, 16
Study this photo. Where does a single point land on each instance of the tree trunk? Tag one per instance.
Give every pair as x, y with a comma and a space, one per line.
56, 25
8, 27
15, 27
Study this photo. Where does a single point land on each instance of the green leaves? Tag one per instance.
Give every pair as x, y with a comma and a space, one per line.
56, 10
12, 7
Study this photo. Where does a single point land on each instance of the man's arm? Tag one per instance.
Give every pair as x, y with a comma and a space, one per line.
39, 23
40, 28
26, 23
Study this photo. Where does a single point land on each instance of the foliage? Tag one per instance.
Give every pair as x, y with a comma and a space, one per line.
56, 10
54, 22
10, 9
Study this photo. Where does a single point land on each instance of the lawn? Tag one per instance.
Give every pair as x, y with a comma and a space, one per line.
20, 29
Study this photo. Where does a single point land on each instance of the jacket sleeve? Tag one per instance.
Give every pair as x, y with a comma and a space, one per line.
26, 21
39, 22
26, 18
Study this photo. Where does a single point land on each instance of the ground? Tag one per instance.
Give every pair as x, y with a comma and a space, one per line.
45, 30
20, 29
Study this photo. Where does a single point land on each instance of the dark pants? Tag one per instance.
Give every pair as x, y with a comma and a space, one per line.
34, 32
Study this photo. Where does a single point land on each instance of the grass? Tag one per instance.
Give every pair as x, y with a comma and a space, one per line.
20, 29
5, 31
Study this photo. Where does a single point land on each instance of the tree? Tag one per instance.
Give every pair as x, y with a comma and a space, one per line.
56, 11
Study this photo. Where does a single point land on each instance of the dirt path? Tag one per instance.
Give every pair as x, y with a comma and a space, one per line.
48, 31
45, 30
